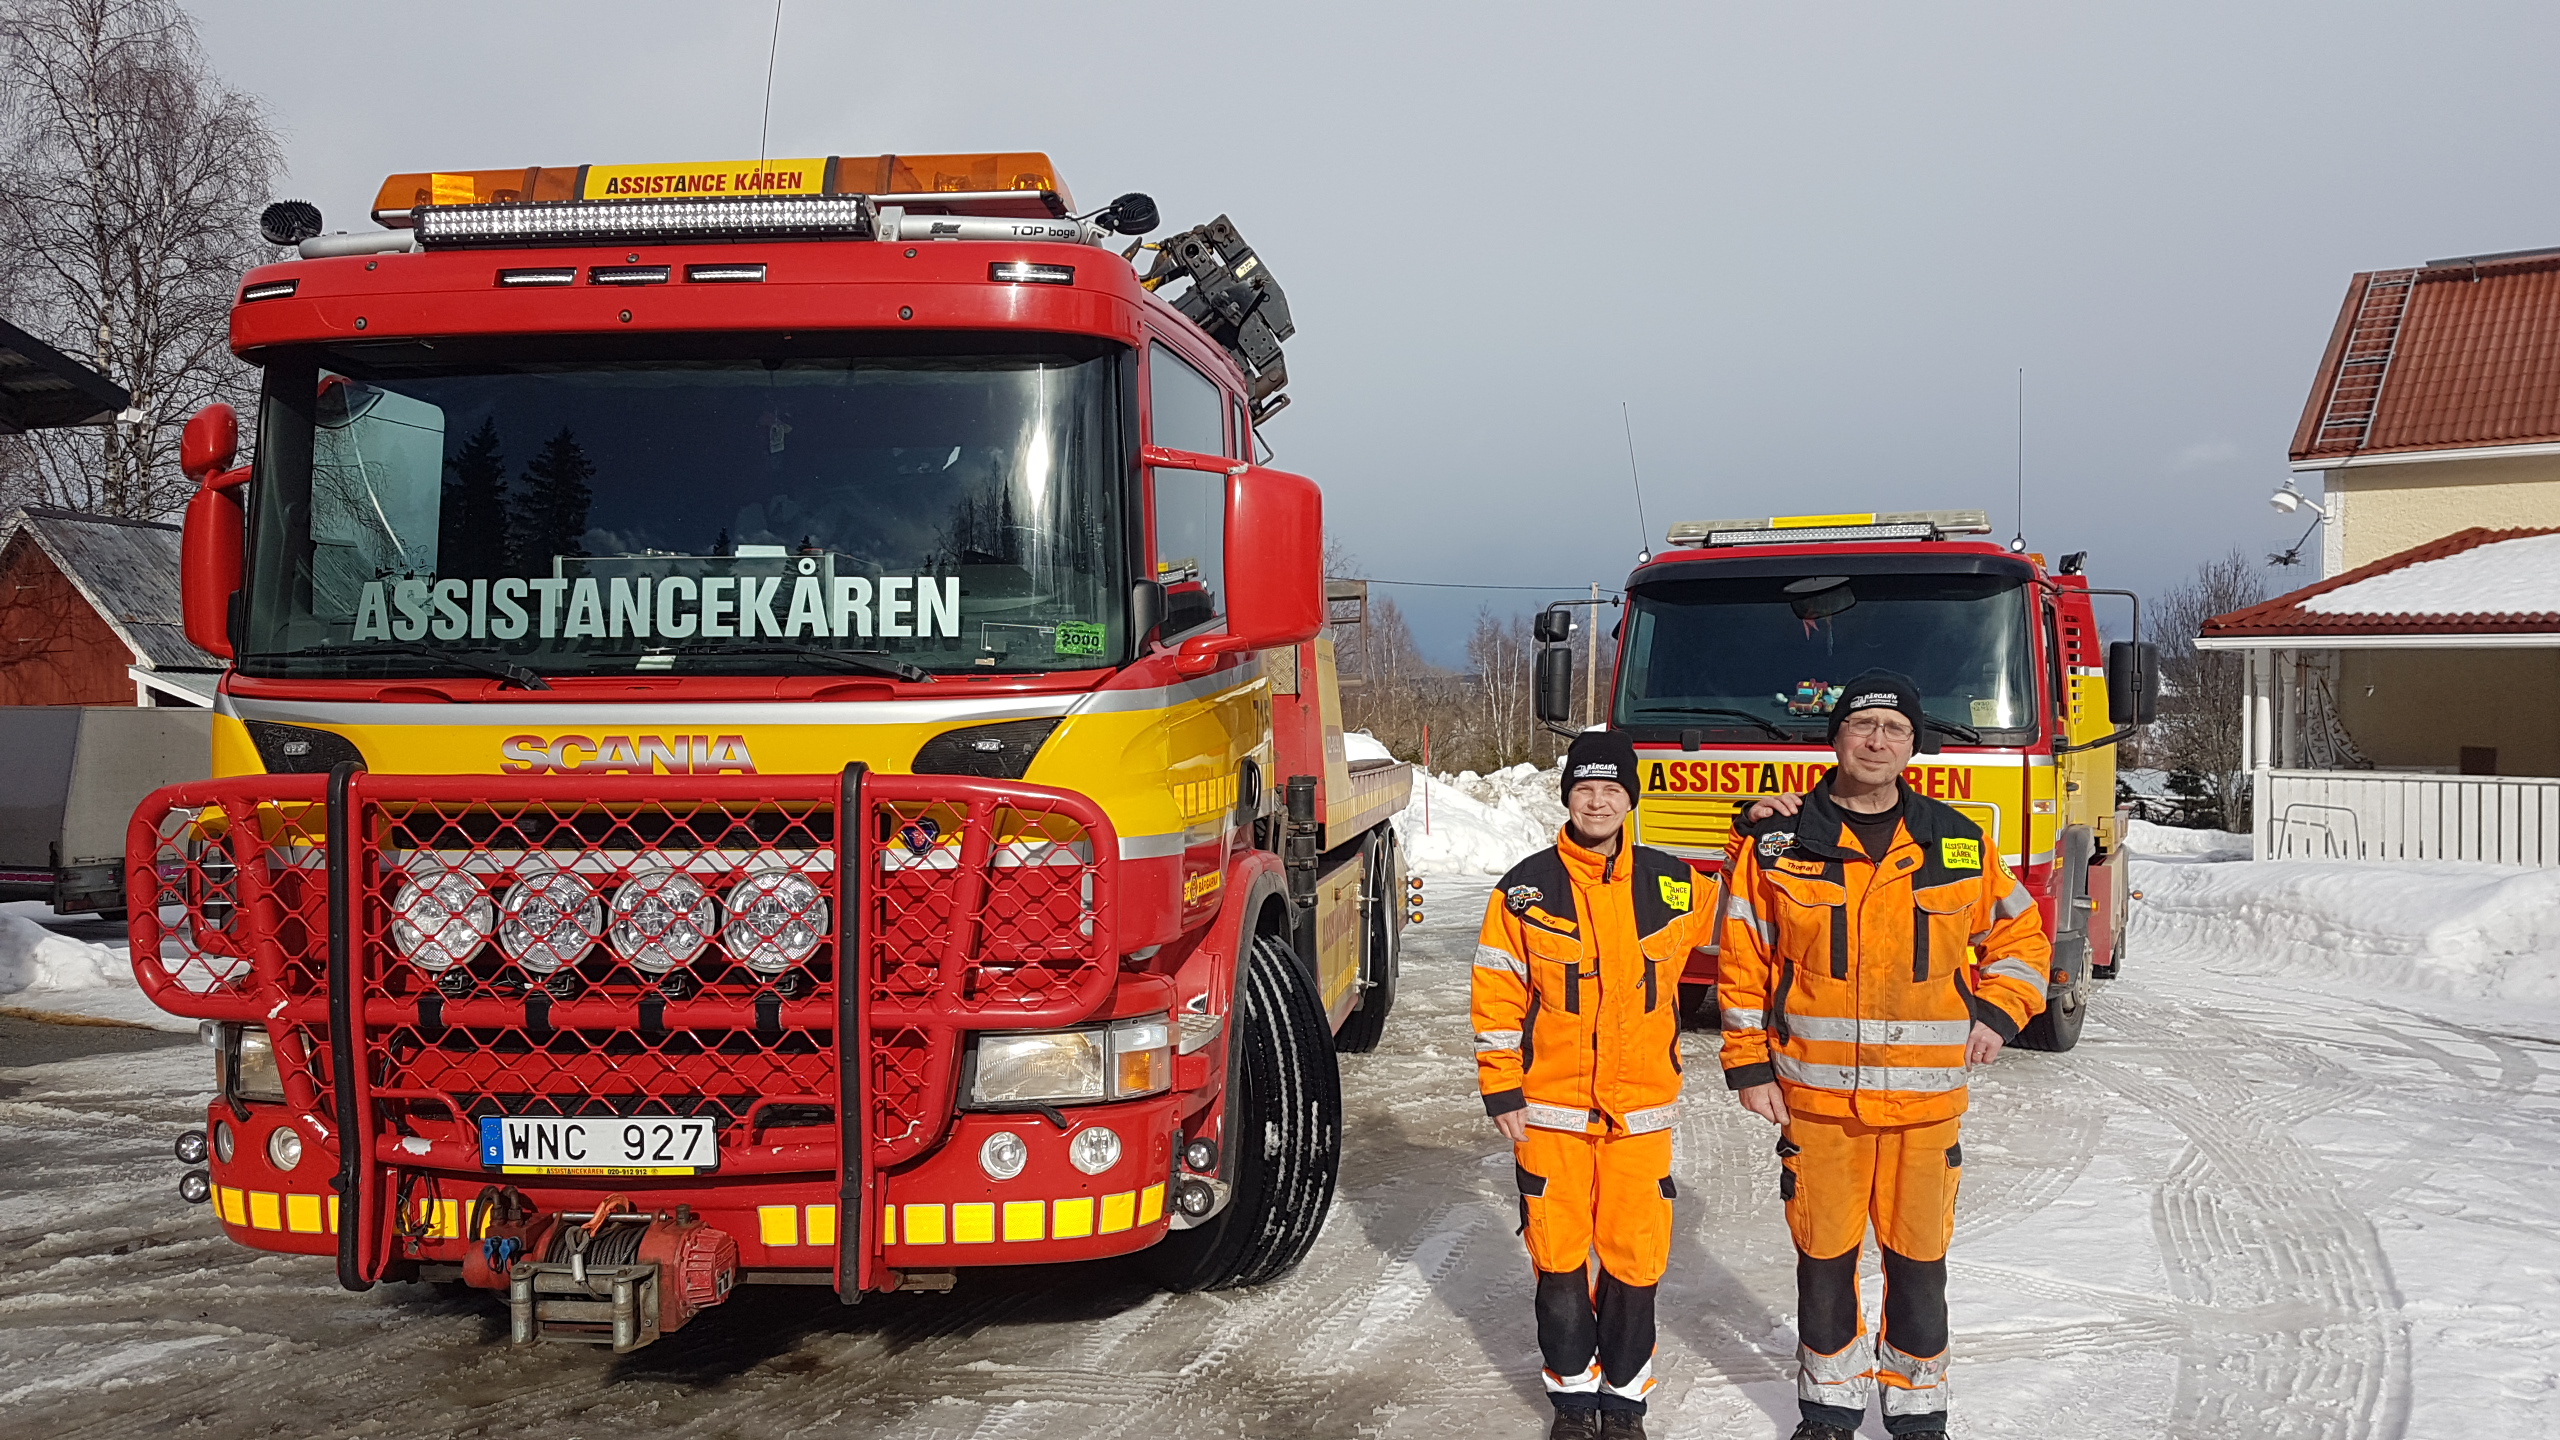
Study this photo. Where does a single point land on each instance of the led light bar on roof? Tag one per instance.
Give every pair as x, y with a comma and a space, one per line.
585, 222
1816, 529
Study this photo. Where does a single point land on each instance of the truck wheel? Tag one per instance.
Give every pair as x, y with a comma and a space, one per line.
2058, 1028
1379, 961
1284, 1136
1698, 1008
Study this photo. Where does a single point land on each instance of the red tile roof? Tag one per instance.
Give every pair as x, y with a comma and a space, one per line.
2284, 614
2473, 360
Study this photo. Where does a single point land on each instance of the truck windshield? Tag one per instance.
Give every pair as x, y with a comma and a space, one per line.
1761, 654
943, 505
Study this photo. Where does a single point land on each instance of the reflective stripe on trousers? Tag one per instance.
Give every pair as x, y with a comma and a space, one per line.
1844, 1380
1911, 1387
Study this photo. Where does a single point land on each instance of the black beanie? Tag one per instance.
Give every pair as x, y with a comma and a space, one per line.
1884, 690
1602, 755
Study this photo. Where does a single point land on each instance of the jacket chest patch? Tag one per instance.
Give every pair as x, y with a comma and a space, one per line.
1538, 916
1675, 893
1521, 897
1799, 865
1958, 854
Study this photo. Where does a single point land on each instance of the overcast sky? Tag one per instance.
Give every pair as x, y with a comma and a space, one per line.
1809, 245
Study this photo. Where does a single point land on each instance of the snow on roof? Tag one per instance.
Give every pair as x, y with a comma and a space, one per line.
2504, 577
2472, 582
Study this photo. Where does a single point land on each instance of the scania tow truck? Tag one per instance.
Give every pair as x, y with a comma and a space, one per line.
778, 732
1734, 644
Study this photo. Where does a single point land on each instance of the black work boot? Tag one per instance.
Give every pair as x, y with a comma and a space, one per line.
1621, 1425
1816, 1430
1576, 1423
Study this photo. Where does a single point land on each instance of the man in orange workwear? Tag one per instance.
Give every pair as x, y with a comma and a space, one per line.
1577, 1020
1874, 948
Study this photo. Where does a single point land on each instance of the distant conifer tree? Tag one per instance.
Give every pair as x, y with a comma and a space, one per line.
474, 539
551, 504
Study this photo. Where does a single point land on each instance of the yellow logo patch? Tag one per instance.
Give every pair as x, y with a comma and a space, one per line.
1675, 893
1960, 854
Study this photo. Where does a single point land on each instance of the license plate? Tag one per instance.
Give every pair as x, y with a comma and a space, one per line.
598, 1145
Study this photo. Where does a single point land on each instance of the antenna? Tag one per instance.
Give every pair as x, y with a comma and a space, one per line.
1644, 529
764, 135
2018, 542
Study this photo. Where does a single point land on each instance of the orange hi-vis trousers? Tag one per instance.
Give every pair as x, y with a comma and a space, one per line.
1839, 1177
1583, 1195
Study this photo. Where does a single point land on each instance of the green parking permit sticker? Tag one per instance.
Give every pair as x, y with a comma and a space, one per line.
1076, 637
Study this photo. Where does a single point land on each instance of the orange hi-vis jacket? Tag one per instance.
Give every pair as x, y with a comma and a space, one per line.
1577, 987
1855, 982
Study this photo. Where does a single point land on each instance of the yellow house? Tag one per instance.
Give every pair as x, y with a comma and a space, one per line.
2402, 707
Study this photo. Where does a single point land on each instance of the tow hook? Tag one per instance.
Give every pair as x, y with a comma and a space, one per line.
615, 1276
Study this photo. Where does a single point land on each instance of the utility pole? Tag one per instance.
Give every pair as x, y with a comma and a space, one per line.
1591, 658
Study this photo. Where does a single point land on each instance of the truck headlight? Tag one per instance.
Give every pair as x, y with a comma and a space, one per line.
440, 919
258, 1078
1039, 1069
776, 919
1120, 1061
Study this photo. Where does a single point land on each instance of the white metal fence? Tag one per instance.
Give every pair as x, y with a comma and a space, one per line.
2387, 815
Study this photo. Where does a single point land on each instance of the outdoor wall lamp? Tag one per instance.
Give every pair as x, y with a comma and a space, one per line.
2287, 500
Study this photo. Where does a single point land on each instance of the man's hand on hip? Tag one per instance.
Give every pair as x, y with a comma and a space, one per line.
1514, 1125
1984, 1046
1765, 1102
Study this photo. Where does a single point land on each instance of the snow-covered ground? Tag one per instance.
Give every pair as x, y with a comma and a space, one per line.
2297, 1181
72, 967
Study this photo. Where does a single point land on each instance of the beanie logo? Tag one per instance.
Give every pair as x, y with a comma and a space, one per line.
1596, 770
1872, 699
1521, 897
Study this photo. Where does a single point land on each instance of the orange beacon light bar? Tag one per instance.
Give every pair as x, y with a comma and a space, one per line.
1008, 183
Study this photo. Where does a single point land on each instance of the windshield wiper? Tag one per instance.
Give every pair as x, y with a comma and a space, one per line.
1765, 725
511, 673
869, 662
1965, 733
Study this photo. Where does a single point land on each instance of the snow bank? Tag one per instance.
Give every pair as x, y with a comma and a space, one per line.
34, 960
2152, 842
1360, 745
2473, 932
1479, 824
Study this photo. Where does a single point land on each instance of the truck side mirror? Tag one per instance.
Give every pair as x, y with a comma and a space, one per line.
210, 441
2133, 682
1552, 627
1555, 684
1275, 558
210, 548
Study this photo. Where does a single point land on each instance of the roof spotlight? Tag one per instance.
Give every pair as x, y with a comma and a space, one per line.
1131, 214
289, 222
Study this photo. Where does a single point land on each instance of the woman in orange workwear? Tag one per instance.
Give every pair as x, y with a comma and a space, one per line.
1577, 1020
1874, 948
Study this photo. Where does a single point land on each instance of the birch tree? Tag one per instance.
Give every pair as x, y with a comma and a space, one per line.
130, 180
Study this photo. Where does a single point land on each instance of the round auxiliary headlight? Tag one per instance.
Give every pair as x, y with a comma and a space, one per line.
223, 1143
550, 918
192, 1148
284, 1147
441, 918
1003, 1155
661, 920
195, 1187
776, 919
1095, 1149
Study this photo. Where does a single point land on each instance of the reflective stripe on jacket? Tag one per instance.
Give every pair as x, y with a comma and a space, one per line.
1855, 983
1577, 986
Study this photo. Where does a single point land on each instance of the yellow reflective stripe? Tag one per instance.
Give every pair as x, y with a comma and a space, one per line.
1072, 1219
822, 1225
302, 1214
778, 1224
266, 1210
1119, 1212
923, 1224
1151, 1204
974, 1224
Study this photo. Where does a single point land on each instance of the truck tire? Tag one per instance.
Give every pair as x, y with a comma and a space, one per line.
2058, 1028
1698, 1008
1284, 1133
1380, 962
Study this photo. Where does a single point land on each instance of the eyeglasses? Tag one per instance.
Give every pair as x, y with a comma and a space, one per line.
1889, 729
